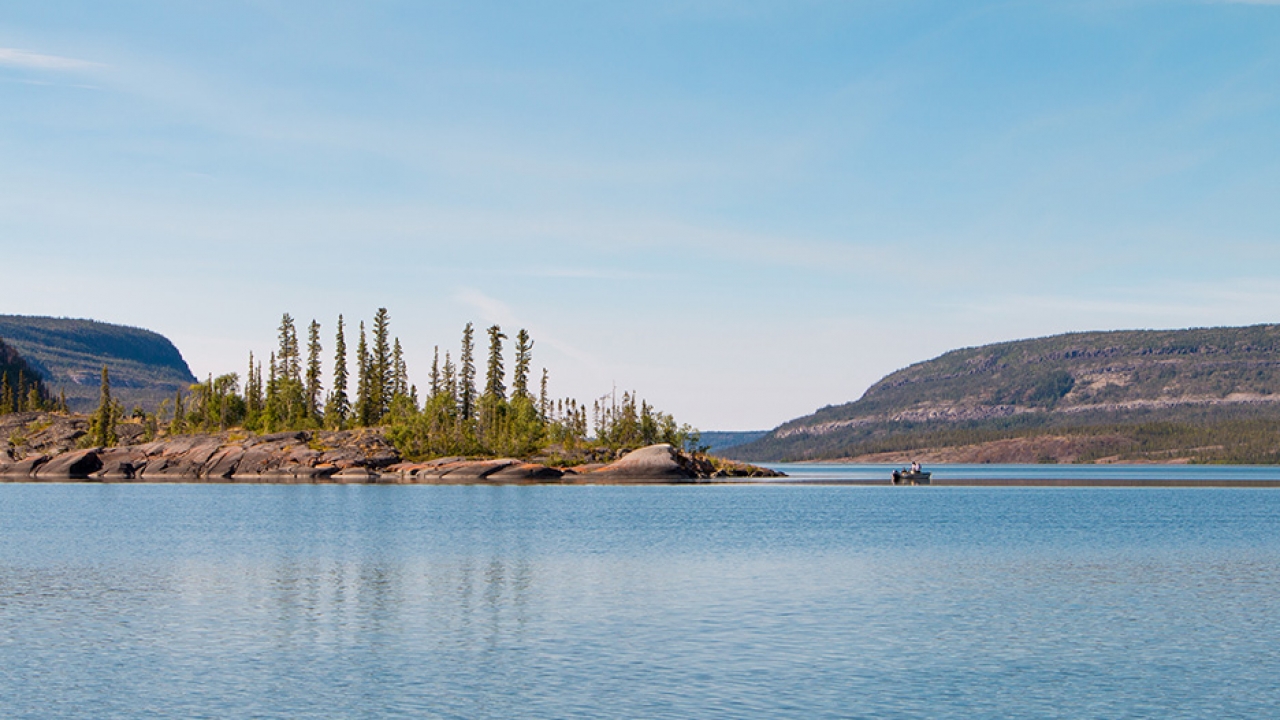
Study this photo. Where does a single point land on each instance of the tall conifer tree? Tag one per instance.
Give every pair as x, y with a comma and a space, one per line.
400, 379
178, 424
364, 403
467, 375
104, 420
7, 404
544, 400
338, 408
449, 382
435, 372
313, 371
252, 392
290, 362
495, 374
382, 370
524, 359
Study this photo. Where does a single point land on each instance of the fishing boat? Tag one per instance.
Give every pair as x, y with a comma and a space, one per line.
911, 477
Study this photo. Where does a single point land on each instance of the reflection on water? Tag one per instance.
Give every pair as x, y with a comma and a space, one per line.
804, 602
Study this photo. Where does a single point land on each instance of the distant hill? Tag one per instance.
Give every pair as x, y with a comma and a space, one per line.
17, 378
1204, 394
69, 354
719, 440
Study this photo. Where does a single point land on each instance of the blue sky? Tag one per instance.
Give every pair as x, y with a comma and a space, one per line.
742, 210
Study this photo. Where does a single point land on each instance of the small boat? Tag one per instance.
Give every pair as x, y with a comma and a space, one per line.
908, 477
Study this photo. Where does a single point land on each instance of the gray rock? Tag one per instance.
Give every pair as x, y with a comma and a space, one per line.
225, 462
296, 436
355, 475
181, 460
525, 472
25, 467
655, 463
121, 464
477, 469
74, 465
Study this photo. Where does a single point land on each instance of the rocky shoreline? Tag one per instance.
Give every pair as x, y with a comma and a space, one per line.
42, 447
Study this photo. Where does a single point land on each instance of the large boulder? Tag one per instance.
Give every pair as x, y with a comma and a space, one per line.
181, 460
74, 465
476, 470
655, 463
354, 475
121, 463
25, 467
224, 463
525, 472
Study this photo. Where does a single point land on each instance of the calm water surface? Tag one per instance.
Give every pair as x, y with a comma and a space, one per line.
637, 602
827, 472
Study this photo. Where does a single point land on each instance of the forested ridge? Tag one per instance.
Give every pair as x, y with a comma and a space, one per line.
21, 387
69, 354
1204, 394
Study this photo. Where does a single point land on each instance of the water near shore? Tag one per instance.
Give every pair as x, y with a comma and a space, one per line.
628, 602
943, 473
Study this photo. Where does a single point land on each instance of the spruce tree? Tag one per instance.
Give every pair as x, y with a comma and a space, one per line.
382, 370
104, 420
435, 372
338, 408
449, 383
467, 375
524, 359
254, 403
493, 402
494, 382
290, 363
249, 381
273, 407
544, 401
290, 391
364, 403
400, 376
178, 425
7, 404
313, 371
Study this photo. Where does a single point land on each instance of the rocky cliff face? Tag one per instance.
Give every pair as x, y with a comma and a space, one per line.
42, 447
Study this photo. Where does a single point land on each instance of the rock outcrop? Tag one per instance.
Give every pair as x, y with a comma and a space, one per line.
355, 456
655, 463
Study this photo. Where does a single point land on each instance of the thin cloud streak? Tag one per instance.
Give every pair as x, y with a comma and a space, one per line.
497, 312
14, 57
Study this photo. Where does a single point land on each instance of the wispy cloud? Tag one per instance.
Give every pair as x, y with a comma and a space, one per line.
493, 310
14, 57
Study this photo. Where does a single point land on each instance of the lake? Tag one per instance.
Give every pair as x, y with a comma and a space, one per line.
963, 473
289, 601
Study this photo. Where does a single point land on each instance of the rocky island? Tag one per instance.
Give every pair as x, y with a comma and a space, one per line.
38, 446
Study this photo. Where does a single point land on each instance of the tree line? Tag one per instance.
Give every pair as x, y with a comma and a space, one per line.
21, 387
508, 414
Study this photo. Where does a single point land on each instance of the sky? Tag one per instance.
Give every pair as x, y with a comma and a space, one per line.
743, 211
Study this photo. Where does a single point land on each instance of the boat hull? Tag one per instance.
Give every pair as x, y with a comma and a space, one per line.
911, 478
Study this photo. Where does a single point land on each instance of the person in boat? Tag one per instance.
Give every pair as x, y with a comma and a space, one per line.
915, 467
